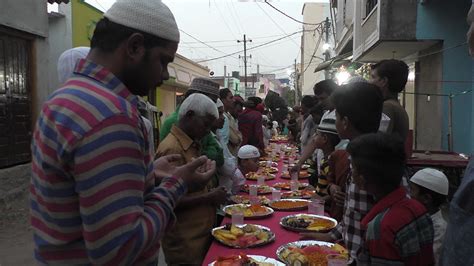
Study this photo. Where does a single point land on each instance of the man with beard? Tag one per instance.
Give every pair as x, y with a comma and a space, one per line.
93, 194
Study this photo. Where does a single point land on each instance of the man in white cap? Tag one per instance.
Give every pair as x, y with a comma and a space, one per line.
93, 194
196, 211
430, 187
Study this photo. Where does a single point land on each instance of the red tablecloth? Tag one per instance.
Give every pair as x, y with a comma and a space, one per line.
282, 236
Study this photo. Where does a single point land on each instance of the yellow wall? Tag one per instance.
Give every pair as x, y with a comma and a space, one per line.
84, 18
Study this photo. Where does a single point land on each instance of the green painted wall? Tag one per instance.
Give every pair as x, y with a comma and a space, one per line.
84, 19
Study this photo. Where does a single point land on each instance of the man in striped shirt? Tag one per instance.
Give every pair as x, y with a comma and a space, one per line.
93, 193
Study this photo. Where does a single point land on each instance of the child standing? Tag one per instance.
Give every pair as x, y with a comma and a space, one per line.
326, 139
430, 187
398, 229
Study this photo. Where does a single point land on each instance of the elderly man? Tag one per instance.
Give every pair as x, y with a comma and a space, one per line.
210, 146
187, 242
93, 194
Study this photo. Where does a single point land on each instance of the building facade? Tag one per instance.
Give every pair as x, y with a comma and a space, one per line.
430, 37
312, 41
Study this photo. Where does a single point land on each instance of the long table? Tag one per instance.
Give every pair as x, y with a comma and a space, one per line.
282, 236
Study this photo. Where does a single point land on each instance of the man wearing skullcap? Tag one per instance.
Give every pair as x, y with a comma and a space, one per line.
187, 242
210, 147
93, 195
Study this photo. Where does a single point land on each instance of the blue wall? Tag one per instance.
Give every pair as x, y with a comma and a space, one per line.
446, 20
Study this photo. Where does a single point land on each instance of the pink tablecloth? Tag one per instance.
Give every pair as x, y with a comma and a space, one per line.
282, 236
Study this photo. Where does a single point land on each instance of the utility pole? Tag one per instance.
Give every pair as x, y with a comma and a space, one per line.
297, 93
327, 26
226, 83
245, 58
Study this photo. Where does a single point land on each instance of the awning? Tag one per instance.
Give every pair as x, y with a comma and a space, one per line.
334, 62
58, 1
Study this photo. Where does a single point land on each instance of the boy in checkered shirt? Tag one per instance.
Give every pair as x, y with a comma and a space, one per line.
399, 230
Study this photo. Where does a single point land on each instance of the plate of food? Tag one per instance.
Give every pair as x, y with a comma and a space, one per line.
243, 236
275, 159
264, 164
245, 199
242, 259
304, 174
250, 211
309, 252
305, 166
269, 170
299, 194
290, 205
255, 175
286, 175
287, 185
308, 223
262, 189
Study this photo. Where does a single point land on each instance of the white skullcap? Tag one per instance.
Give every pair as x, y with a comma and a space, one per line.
328, 123
248, 152
384, 123
432, 179
150, 16
219, 103
67, 62
200, 104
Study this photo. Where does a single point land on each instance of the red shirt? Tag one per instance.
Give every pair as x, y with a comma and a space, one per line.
250, 124
398, 230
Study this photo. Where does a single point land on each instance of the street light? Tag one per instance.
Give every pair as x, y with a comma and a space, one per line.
342, 76
326, 46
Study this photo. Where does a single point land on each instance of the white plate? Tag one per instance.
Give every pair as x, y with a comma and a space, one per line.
271, 238
291, 228
258, 216
301, 244
260, 259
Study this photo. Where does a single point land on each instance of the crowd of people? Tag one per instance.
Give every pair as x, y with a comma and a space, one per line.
102, 192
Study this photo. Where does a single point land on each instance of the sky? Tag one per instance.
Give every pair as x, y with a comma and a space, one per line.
220, 23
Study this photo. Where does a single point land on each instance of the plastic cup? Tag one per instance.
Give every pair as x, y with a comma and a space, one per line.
261, 180
336, 260
237, 218
294, 186
316, 206
269, 163
276, 195
253, 190
284, 168
294, 176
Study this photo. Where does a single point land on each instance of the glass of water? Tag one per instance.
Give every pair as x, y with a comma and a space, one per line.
276, 194
316, 206
237, 218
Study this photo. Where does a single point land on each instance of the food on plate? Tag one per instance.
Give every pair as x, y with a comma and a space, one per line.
287, 185
308, 222
313, 253
249, 211
289, 205
275, 158
269, 170
299, 194
286, 175
245, 199
262, 189
305, 166
304, 174
246, 236
242, 260
264, 164
255, 175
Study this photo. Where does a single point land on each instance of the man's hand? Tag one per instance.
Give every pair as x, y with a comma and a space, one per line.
326, 237
218, 196
197, 173
165, 166
337, 195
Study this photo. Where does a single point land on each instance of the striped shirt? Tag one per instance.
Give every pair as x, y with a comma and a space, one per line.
93, 194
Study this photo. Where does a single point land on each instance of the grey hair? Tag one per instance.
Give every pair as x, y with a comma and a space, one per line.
199, 104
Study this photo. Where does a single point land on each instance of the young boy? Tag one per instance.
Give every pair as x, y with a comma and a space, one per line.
399, 230
248, 157
326, 139
430, 187
358, 111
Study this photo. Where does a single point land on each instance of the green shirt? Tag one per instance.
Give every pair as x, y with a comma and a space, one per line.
209, 144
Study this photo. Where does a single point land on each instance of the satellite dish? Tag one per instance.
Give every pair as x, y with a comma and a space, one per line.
211, 73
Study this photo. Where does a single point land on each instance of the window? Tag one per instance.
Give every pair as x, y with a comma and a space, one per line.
369, 6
